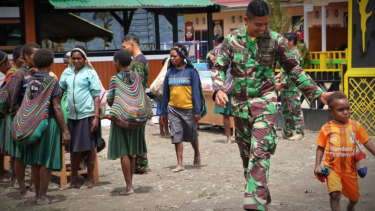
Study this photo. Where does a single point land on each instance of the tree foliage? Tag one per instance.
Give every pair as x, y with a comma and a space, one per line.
279, 20
304, 54
107, 18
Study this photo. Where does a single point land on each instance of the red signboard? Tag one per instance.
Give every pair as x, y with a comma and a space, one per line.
189, 31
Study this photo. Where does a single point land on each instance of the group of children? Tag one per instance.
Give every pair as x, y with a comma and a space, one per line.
27, 81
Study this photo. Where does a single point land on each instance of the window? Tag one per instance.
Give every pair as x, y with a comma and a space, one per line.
10, 26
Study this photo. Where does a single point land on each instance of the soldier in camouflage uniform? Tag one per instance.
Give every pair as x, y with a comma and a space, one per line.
252, 53
290, 97
139, 64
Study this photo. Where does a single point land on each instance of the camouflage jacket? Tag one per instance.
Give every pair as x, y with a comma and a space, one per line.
140, 66
288, 85
252, 67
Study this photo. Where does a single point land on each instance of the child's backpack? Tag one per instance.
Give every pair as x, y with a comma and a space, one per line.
31, 119
131, 107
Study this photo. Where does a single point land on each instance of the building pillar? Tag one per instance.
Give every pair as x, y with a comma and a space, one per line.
29, 21
324, 29
306, 10
157, 30
210, 37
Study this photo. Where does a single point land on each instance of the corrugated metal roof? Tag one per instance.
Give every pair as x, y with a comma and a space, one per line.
232, 2
129, 3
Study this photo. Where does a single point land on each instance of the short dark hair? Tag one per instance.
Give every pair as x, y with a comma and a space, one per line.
257, 8
131, 37
80, 47
219, 38
28, 48
335, 96
182, 46
164, 60
17, 52
124, 57
291, 36
43, 58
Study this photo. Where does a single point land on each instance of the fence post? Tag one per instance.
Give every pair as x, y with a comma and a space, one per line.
322, 60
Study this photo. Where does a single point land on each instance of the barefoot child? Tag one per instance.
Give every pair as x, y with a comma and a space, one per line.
125, 143
45, 156
333, 138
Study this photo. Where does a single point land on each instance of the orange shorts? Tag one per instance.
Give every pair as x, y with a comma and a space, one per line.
346, 183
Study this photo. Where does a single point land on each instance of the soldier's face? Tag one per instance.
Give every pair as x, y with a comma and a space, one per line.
127, 46
288, 42
256, 25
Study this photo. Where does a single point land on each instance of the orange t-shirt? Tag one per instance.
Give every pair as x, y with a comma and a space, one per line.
339, 148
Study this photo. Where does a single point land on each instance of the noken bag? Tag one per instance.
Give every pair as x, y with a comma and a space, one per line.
157, 86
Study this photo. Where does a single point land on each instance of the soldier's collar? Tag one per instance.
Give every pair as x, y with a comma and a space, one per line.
242, 32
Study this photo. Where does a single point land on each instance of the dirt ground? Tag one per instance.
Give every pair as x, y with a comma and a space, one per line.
217, 185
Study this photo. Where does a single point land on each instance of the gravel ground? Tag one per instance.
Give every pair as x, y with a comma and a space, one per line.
217, 185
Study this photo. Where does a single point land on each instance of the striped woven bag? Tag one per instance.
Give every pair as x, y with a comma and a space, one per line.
131, 107
5, 99
31, 119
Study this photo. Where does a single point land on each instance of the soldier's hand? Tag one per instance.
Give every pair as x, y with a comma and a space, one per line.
212, 58
278, 86
324, 97
221, 99
197, 117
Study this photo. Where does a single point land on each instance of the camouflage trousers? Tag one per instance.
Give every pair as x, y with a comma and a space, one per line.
292, 113
256, 138
141, 163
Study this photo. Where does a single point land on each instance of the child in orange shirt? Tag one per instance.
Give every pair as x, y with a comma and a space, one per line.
339, 147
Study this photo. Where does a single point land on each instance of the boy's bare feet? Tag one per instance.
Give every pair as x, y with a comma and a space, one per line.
27, 194
127, 192
229, 140
197, 160
42, 201
32, 188
178, 169
47, 200
68, 186
87, 185
13, 182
